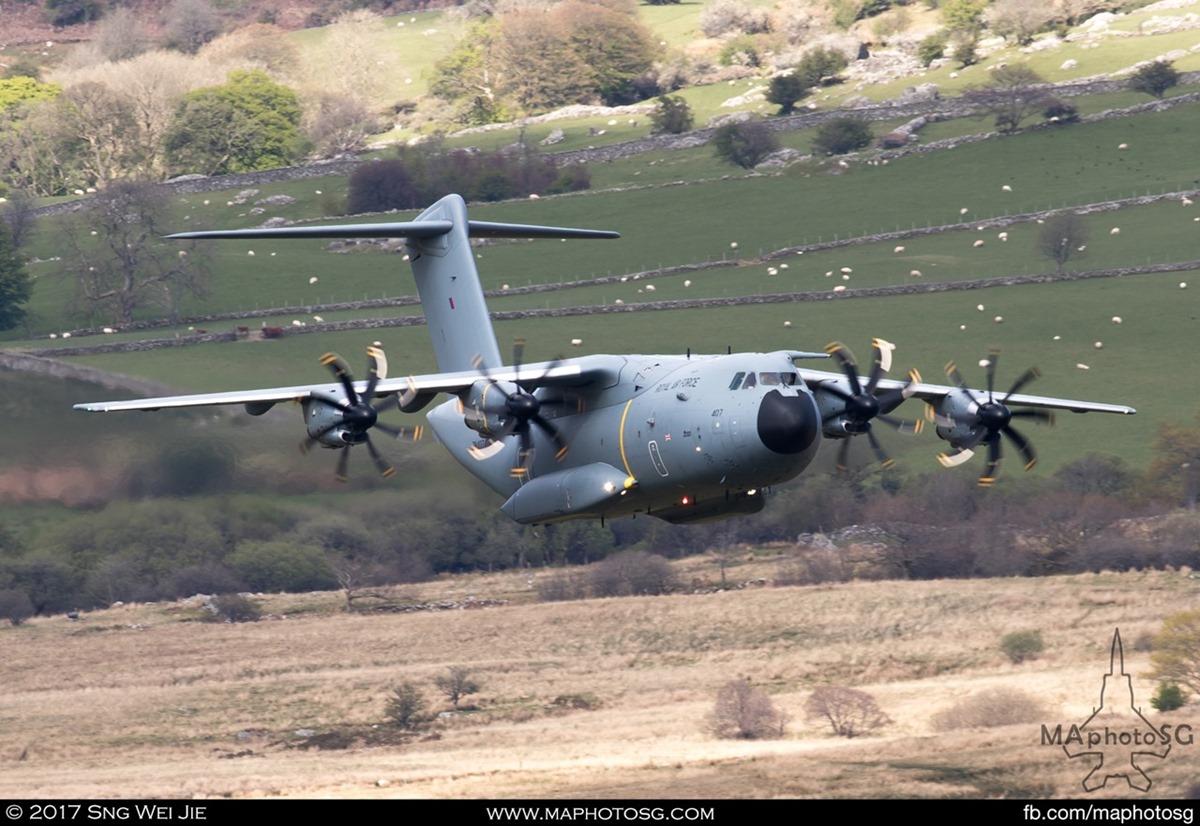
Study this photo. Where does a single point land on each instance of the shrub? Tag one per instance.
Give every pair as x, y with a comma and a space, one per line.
407, 708
1020, 646
821, 67
1176, 656
745, 144
231, 608
672, 116
1059, 111
989, 708
848, 711
842, 135
15, 606
562, 587
633, 573
1168, 697
785, 91
933, 47
743, 712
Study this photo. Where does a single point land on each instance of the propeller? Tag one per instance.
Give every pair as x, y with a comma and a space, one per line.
987, 418
859, 409
520, 413
349, 419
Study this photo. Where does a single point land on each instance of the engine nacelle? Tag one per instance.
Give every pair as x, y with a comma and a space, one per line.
484, 406
327, 424
839, 426
957, 418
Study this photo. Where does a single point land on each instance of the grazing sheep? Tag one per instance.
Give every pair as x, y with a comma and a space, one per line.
998, 319
318, 319
772, 271
978, 243
1116, 319
313, 280
1083, 367
839, 288
250, 253
845, 278
504, 286
1099, 345
1186, 202
618, 301
979, 307
1006, 188
898, 250
1183, 285
687, 283
650, 288
787, 324
963, 211
1115, 231
847, 270
1123, 146
1003, 236
733, 245
576, 342
914, 273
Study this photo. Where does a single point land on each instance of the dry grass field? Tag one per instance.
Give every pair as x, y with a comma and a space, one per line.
595, 698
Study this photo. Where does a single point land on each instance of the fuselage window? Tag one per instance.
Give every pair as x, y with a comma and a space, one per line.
737, 381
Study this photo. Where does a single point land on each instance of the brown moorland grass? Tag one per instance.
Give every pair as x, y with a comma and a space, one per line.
595, 698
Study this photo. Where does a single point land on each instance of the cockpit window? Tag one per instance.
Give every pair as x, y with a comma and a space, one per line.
769, 378
789, 379
737, 381
750, 382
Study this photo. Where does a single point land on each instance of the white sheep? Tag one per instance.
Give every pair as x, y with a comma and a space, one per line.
1006, 188
845, 278
772, 271
787, 324
318, 319
687, 283
1116, 319
1082, 366
1099, 345
963, 211
914, 273
1123, 146
250, 253
998, 319
898, 250
650, 288
576, 342
1115, 231
733, 245
1186, 202
1003, 236
839, 288
978, 243
979, 307
313, 280
847, 270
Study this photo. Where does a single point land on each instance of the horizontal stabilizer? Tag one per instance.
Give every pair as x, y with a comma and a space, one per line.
406, 229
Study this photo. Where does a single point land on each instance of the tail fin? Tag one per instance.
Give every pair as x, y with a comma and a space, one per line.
444, 267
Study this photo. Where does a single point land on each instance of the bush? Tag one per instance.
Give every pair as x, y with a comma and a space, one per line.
15, 606
1059, 111
407, 708
933, 47
633, 573
1020, 646
231, 608
456, 683
743, 712
821, 67
1176, 656
672, 116
848, 711
745, 144
990, 708
842, 135
1168, 697
785, 91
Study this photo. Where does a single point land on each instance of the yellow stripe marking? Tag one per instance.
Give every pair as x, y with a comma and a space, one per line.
621, 438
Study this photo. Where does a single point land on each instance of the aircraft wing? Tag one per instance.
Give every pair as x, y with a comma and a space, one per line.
934, 393
547, 374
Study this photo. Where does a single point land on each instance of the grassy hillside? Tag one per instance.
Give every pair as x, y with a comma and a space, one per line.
294, 706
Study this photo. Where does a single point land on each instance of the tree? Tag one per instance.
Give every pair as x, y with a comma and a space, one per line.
743, 712
672, 116
842, 135
1176, 653
248, 124
1174, 474
849, 711
821, 67
963, 16
619, 49
1019, 20
191, 23
15, 284
786, 90
745, 143
15, 606
119, 260
1155, 78
1062, 237
407, 708
456, 683
1014, 93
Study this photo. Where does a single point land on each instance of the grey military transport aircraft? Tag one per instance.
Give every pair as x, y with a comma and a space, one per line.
686, 438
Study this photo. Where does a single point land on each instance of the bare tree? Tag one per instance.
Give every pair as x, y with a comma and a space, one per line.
456, 683
848, 711
743, 712
120, 262
1063, 237
1014, 93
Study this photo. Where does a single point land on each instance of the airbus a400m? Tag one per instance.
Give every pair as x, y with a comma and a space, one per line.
685, 438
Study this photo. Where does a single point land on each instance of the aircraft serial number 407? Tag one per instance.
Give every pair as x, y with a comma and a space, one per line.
685, 438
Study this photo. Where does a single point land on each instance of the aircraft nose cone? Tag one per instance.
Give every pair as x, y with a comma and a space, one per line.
787, 424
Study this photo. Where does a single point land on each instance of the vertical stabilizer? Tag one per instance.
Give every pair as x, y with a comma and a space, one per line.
451, 295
